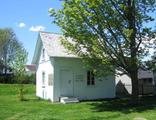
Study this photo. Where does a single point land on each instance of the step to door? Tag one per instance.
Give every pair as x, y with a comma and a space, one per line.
66, 100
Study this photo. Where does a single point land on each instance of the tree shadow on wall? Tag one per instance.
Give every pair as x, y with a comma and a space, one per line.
121, 90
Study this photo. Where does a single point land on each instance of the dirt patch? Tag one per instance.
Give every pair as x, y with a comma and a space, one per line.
139, 118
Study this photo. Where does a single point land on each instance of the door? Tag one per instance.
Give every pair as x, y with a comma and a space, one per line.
66, 83
44, 94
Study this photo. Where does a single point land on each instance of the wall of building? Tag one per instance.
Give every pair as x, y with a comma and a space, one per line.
45, 65
104, 87
124, 86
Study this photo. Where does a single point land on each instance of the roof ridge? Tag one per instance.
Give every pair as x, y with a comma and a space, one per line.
50, 32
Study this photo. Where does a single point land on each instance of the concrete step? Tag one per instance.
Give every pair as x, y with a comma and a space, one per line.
66, 100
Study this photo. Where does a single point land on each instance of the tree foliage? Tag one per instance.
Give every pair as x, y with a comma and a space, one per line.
13, 56
151, 64
19, 65
10, 48
108, 33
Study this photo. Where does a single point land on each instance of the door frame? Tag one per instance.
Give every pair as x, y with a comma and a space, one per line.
72, 80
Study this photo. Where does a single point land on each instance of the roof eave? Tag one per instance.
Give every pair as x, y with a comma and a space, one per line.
37, 50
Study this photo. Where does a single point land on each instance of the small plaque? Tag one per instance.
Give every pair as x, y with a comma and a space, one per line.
79, 78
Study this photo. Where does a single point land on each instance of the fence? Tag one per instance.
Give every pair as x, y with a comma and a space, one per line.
126, 89
146, 89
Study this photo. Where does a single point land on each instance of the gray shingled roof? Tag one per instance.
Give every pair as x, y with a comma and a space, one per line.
31, 68
52, 44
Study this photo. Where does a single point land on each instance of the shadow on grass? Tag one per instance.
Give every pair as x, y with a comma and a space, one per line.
35, 99
111, 117
125, 105
32, 99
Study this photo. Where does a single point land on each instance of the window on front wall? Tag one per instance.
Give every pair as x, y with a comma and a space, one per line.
90, 78
43, 78
147, 80
43, 54
50, 79
150, 80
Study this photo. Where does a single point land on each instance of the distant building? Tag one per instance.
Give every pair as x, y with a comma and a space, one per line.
146, 83
30, 69
6, 74
4, 70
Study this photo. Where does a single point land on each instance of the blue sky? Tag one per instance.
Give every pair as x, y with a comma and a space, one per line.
26, 17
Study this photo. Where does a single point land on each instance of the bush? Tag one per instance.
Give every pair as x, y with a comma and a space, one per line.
25, 79
7, 78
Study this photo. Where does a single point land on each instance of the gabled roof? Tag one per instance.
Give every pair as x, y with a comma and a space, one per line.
31, 68
52, 44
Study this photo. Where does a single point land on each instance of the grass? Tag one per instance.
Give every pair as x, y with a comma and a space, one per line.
35, 109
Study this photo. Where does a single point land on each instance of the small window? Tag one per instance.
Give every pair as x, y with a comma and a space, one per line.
43, 78
144, 80
147, 80
50, 79
43, 53
79, 77
90, 78
150, 80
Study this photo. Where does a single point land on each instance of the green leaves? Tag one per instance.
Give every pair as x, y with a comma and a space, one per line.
12, 52
103, 28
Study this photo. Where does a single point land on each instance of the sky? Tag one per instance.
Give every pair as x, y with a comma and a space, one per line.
26, 18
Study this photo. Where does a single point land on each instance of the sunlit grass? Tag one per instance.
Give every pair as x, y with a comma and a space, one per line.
35, 109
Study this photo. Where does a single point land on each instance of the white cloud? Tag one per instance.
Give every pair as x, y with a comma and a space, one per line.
21, 25
50, 9
37, 28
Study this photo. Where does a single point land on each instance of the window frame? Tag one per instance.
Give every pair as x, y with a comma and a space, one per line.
90, 78
43, 54
50, 79
43, 78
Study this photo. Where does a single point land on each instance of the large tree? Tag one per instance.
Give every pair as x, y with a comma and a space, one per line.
19, 67
108, 32
9, 48
13, 56
3, 37
151, 63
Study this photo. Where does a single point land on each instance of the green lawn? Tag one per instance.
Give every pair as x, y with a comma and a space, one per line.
35, 109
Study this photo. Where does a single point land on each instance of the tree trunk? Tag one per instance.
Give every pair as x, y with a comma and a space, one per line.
5, 60
135, 84
133, 67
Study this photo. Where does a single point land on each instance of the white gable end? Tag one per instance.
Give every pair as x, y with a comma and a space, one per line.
60, 74
53, 46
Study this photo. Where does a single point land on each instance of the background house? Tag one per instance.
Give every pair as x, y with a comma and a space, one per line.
30, 74
63, 75
6, 74
146, 83
30, 69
